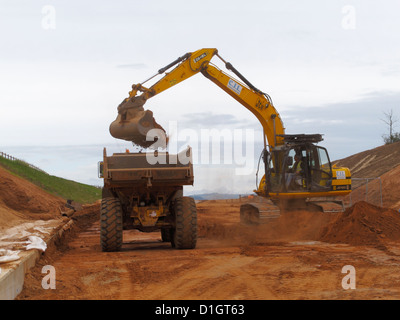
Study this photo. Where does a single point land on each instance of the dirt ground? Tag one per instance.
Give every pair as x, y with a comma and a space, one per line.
299, 255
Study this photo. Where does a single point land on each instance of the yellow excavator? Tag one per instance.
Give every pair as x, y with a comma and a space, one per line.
297, 170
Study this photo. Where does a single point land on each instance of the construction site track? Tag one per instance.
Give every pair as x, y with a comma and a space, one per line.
284, 259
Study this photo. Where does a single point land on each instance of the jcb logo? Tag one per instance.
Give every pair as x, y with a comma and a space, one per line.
197, 59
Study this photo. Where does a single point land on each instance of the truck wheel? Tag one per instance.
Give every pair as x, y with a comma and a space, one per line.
185, 233
110, 224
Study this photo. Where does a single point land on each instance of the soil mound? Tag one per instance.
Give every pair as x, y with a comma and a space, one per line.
25, 200
363, 224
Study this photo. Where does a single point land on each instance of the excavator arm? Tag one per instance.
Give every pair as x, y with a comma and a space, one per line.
133, 122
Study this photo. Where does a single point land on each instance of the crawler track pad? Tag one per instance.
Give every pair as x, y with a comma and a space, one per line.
258, 213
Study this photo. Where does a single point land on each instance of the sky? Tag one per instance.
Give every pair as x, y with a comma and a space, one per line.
331, 67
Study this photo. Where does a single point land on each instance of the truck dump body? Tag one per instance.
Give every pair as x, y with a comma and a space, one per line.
148, 170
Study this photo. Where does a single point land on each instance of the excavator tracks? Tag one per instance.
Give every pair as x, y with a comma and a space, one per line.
261, 211
258, 212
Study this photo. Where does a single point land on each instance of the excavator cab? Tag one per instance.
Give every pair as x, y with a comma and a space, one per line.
298, 174
298, 166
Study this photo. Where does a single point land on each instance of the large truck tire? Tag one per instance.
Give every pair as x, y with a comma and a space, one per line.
110, 224
185, 233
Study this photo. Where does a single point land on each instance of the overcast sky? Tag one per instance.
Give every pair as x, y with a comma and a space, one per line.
331, 67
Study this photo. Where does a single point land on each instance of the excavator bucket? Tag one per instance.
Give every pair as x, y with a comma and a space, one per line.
133, 123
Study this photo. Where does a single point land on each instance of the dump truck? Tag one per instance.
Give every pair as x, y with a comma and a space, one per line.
144, 191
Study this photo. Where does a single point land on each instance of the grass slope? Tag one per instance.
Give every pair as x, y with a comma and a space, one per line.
66, 189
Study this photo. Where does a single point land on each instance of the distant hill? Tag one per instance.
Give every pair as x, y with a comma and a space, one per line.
372, 163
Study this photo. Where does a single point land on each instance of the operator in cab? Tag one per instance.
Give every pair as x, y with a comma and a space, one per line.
294, 176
